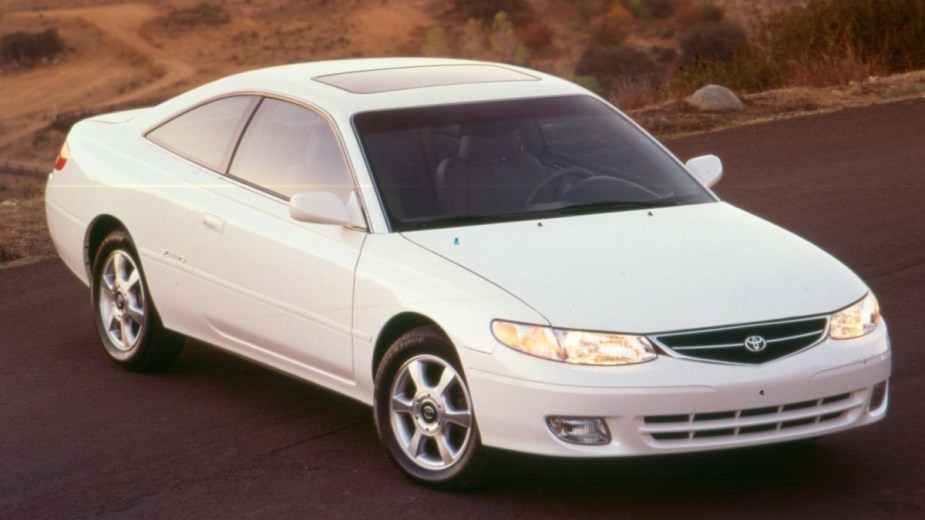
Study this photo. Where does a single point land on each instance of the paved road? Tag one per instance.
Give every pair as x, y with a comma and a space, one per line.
219, 438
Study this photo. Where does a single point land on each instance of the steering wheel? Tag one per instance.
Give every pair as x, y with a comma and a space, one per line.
605, 188
559, 176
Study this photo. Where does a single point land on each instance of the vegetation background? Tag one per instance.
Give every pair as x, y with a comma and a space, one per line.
61, 60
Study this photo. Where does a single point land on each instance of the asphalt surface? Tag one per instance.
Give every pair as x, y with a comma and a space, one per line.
219, 438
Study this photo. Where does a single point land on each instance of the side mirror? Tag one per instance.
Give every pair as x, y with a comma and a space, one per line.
707, 168
324, 207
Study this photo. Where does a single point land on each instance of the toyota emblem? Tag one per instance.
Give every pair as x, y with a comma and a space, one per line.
755, 343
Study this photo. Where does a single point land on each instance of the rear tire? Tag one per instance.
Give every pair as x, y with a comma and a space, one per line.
128, 325
424, 411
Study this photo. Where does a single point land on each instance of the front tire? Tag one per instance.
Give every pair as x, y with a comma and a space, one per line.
128, 325
424, 411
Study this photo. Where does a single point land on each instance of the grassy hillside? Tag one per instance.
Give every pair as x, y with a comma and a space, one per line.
60, 59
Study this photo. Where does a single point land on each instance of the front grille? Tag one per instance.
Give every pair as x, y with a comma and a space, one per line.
769, 341
704, 428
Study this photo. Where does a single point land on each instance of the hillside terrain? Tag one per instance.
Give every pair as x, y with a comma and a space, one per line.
124, 53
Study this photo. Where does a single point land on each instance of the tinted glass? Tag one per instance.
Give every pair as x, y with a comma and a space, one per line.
516, 159
206, 134
288, 149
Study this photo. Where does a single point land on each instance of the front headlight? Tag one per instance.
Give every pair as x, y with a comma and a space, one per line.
855, 320
574, 346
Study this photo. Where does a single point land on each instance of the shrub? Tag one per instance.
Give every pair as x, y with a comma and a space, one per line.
611, 28
611, 63
608, 32
536, 35
502, 39
628, 93
751, 70
824, 42
502, 43
520, 11
711, 41
7, 254
888, 31
689, 12
28, 49
653, 8
661, 8
589, 9
435, 42
589, 82
204, 13
839, 68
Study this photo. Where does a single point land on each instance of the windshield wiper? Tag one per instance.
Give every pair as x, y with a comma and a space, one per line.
466, 220
558, 210
616, 205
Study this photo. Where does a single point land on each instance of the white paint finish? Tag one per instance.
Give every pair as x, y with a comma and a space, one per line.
227, 263
646, 271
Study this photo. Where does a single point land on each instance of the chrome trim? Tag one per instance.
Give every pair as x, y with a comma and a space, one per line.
677, 352
742, 344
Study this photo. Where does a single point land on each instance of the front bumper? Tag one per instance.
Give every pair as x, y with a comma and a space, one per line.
676, 405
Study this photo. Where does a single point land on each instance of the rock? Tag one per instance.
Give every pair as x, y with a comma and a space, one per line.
714, 98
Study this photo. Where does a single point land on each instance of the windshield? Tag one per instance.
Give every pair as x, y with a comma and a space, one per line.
516, 159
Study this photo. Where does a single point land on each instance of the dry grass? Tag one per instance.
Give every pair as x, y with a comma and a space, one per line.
836, 69
119, 53
675, 118
24, 234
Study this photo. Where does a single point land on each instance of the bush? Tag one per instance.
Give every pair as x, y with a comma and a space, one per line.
711, 41
608, 32
536, 35
689, 12
520, 11
204, 13
822, 43
751, 70
661, 8
8, 255
611, 28
609, 64
28, 49
435, 42
888, 31
589, 82
590, 9
654, 8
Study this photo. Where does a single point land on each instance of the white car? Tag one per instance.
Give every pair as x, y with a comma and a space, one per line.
487, 255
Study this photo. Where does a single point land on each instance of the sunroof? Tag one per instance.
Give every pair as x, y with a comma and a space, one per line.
404, 78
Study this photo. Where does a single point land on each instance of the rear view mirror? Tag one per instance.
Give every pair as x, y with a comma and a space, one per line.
707, 168
324, 207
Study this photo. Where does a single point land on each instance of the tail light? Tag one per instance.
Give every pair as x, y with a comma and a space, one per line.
63, 156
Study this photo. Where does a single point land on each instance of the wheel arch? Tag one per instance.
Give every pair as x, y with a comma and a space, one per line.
98, 230
393, 329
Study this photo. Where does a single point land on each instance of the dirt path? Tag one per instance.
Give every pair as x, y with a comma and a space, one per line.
104, 39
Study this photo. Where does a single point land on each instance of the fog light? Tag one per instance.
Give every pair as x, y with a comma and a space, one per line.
878, 395
588, 431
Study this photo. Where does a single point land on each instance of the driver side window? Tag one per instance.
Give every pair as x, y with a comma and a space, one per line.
288, 149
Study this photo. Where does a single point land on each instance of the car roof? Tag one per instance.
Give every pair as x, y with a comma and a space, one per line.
346, 87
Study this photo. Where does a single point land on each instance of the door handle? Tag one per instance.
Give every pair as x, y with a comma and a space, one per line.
213, 224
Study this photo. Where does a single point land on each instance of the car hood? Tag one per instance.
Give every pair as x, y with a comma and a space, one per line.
648, 271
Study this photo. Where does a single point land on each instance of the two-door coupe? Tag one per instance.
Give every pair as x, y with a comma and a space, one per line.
487, 255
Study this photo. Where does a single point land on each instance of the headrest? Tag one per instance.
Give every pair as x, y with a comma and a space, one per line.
493, 148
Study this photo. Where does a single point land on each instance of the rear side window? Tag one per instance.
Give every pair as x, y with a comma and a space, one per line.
288, 149
206, 134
